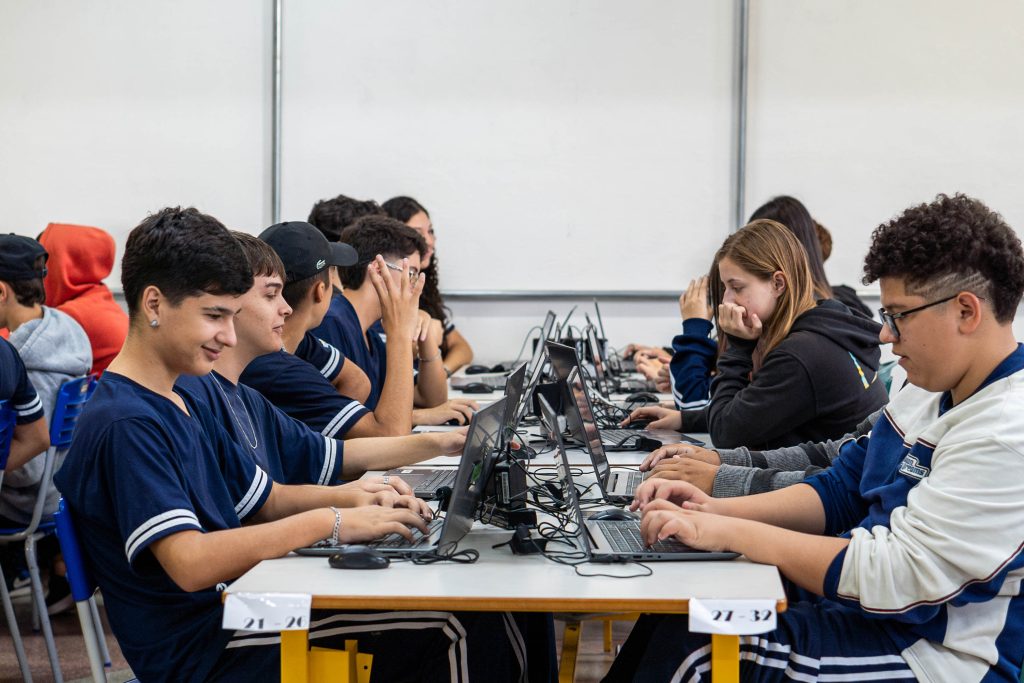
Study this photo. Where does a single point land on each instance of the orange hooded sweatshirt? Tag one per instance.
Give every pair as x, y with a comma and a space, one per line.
80, 257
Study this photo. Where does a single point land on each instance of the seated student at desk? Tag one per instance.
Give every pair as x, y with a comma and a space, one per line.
911, 542
793, 369
173, 509
288, 450
296, 388
456, 351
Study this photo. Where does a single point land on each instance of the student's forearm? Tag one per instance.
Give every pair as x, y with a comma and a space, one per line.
386, 453
432, 385
460, 353
28, 441
802, 558
352, 382
797, 508
394, 409
196, 560
289, 499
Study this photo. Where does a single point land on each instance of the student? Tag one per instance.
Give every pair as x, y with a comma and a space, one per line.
694, 352
80, 258
727, 472
793, 371
912, 538
401, 249
331, 216
289, 451
173, 508
51, 346
456, 351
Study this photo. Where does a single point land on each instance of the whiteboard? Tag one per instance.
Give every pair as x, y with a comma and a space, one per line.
112, 110
862, 108
559, 145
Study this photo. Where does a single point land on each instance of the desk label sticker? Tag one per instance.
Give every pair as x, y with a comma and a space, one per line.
267, 611
732, 617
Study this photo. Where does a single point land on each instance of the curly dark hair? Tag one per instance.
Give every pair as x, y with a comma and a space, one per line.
184, 253
952, 244
402, 209
372, 235
331, 216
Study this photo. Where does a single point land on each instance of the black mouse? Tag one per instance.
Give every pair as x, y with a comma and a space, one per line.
614, 515
358, 557
454, 422
642, 397
477, 369
637, 424
476, 388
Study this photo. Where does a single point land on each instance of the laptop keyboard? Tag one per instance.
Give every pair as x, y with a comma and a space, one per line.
434, 481
624, 537
399, 541
617, 437
633, 479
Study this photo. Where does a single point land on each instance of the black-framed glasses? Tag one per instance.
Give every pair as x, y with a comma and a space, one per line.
414, 272
889, 319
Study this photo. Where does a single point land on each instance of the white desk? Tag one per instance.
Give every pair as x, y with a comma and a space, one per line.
500, 581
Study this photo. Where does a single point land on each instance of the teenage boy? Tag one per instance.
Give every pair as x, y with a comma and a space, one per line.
294, 386
288, 450
52, 348
162, 492
913, 537
358, 310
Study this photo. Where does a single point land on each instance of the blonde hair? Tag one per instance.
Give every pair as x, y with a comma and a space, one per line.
762, 248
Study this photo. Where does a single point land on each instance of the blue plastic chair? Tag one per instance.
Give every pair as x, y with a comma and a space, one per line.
71, 398
7, 424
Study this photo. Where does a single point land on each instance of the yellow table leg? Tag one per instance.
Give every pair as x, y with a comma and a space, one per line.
294, 656
725, 659
608, 634
570, 645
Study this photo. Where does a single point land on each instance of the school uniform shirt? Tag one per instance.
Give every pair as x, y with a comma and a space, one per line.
286, 449
321, 355
693, 359
819, 383
138, 470
298, 390
931, 503
15, 387
341, 328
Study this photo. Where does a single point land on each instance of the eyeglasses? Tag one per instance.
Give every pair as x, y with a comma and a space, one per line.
414, 272
889, 319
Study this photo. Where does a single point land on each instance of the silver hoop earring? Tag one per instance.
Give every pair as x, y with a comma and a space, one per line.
154, 323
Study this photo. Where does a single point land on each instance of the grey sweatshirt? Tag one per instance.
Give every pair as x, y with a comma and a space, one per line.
744, 472
54, 349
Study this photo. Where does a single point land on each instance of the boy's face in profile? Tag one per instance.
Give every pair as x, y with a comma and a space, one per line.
260, 321
192, 335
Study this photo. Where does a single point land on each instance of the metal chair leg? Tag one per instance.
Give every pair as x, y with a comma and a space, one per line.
100, 636
92, 647
12, 626
40, 600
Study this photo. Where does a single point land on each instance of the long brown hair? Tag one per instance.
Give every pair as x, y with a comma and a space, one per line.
762, 248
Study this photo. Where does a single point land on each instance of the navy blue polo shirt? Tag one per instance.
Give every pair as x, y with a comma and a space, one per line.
140, 469
286, 449
341, 328
15, 386
297, 389
323, 356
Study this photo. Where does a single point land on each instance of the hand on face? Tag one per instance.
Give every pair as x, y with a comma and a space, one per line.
735, 321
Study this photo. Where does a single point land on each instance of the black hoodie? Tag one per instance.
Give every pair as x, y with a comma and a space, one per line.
819, 383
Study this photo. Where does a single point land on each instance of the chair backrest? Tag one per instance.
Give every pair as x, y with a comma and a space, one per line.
82, 585
71, 398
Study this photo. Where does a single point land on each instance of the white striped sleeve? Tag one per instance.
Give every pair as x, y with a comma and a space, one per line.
259, 484
344, 419
28, 409
334, 357
144, 533
330, 458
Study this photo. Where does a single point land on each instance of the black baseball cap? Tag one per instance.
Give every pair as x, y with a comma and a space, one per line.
305, 251
18, 257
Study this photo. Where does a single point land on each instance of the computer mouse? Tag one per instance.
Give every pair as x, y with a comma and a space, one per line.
614, 515
642, 397
358, 557
477, 369
637, 424
454, 422
476, 388
499, 367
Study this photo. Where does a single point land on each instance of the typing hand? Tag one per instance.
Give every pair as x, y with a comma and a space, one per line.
438, 415
734, 321
701, 530
680, 493
699, 473
451, 443
375, 484
366, 523
680, 450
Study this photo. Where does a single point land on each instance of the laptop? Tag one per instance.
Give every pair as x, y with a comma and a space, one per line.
617, 365
619, 540
475, 467
426, 481
497, 381
603, 382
